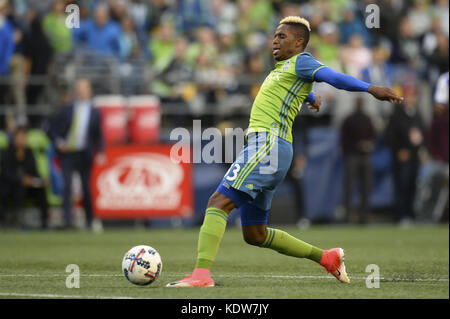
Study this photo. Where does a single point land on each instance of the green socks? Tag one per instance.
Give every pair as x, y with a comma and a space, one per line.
288, 245
210, 236
213, 228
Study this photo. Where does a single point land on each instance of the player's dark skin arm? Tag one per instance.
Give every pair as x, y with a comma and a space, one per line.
349, 83
384, 94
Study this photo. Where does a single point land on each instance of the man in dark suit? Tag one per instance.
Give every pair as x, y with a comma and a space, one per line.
76, 133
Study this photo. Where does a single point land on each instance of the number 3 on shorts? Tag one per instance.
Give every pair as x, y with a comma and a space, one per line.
235, 172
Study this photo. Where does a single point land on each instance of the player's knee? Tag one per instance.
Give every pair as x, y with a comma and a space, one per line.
214, 200
254, 238
220, 201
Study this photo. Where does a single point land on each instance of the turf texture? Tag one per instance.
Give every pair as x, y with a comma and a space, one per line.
412, 262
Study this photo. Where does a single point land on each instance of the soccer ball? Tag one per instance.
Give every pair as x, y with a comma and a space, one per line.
142, 265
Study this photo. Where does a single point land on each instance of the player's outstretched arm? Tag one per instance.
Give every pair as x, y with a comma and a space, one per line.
384, 94
349, 83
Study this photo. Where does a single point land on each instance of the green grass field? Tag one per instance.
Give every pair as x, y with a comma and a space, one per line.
413, 263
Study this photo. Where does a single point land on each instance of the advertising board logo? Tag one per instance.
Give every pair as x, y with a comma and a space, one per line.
115, 120
140, 181
148, 120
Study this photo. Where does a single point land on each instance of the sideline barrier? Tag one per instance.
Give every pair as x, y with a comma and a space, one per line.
142, 182
113, 117
145, 118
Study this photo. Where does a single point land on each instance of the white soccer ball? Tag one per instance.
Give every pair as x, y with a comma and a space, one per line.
142, 265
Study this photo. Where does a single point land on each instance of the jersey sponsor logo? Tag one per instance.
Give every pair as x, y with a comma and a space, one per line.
272, 77
115, 120
286, 65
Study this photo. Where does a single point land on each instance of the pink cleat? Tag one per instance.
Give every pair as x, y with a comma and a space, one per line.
200, 278
333, 261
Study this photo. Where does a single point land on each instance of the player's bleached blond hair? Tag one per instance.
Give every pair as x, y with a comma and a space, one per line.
296, 20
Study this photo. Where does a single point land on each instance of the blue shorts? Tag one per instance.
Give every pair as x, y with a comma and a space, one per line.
254, 176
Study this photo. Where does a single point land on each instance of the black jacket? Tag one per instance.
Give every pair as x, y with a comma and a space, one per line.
60, 125
12, 170
398, 130
356, 128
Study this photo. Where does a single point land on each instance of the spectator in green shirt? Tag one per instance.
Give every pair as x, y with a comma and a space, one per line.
55, 28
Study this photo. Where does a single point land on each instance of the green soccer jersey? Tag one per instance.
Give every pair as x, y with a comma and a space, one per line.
282, 94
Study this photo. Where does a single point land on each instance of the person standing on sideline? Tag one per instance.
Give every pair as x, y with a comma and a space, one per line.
76, 133
405, 135
20, 180
438, 146
357, 140
299, 161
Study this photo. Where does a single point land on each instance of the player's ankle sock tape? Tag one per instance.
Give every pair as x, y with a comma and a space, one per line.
210, 236
286, 244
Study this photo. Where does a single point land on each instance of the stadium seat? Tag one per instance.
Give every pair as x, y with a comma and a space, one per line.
4, 142
40, 144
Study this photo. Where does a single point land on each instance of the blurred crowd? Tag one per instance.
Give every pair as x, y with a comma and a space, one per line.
209, 57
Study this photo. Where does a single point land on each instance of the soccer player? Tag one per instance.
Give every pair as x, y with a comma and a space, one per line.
247, 185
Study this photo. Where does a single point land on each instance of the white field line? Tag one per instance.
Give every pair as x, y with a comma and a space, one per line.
393, 279
16, 294
61, 296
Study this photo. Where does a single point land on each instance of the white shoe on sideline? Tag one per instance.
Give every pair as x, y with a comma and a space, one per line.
304, 223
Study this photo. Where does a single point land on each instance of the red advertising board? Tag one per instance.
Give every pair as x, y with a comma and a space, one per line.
114, 117
142, 182
145, 118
